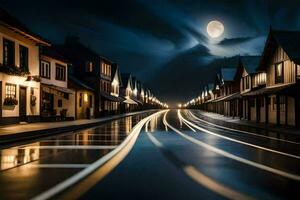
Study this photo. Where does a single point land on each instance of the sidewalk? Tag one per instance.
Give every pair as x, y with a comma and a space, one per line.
244, 125
18, 132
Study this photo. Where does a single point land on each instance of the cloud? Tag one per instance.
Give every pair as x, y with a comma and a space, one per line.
234, 41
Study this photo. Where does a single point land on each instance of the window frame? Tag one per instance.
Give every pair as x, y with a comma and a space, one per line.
60, 70
9, 94
279, 79
6, 62
26, 67
41, 66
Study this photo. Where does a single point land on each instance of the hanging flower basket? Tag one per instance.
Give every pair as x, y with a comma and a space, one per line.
10, 101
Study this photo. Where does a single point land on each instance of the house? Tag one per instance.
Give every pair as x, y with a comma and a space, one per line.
127, 93
57, 101
94, 70
137, 93
19, 71
228, 87
249, 82
116, 83
280, 99
84, 98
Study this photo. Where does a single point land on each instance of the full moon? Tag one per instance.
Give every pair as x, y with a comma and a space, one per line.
215, 29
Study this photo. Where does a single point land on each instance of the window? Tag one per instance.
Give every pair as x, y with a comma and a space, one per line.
45, 69
10, 90
89, 67
274, 103
282, 103
279, 73
80, 99
8, 52
91, 101
23, 52
60, 72
298, 71
105, 69
59, 103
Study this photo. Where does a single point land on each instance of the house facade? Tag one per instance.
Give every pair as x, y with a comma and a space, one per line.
280, 62
94, 70
116, 84
84, 98
19, 71
127, 93
57, 101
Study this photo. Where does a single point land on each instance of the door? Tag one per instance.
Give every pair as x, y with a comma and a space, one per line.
258, 106
297, 112
22, 104
0, 98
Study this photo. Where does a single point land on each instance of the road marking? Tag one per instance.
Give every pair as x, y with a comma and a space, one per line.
235, 140
241, 131
68, 147
104, 161
63, 166
75, 141
189, 126
234, 157
202, 179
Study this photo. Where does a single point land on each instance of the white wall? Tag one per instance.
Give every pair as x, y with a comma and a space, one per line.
33, 62
52, 80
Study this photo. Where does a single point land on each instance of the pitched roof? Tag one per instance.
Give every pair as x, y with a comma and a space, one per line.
250, 63
79, 83
53, 53
228, 73
15, 25
125, 77
114, 70
288, 40
210, 86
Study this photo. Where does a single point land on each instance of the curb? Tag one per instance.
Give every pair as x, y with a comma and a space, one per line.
9, 140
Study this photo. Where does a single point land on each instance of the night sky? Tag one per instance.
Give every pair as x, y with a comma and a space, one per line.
163, 43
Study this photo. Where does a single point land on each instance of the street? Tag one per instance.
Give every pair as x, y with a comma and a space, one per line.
176, 155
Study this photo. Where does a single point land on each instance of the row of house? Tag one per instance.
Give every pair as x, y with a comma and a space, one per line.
44, 82
263, 89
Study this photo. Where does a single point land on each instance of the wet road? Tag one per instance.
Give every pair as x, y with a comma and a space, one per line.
30, 169
175, 156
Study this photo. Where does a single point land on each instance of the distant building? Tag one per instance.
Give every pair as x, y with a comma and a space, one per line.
95, 71
127, 93
84, 98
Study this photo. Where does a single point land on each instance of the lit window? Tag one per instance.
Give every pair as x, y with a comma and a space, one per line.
10, 90
298, 71
89, 67
279, 73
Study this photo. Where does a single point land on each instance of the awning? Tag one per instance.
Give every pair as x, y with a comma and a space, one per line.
48, 88
137, 101
235, 96
130, 101
225, 98
110, 97
267, 91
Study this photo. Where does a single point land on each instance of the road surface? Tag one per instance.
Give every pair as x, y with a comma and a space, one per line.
175, 156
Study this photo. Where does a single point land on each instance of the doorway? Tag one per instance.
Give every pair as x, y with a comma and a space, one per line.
22, 104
